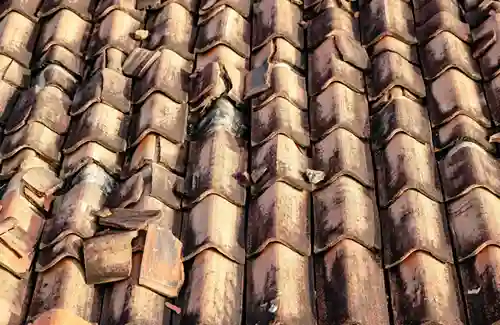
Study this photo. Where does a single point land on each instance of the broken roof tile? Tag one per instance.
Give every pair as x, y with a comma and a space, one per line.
226, 27
390, 70
341, 153
387, 19
406, 164
269, 81
65, 29
272, 296
18, 37
115, 30
49, 106
279, 50
99, 123
400, 115
345, 209
446, 51
172, 28
167, 74
276, 19
414, 285
154, 148
212, 279
350, 286
468, 166
339, 59
454, 93
204, 229
36, 136
279, 215
279, 159
215, 160
280, 117
338, 106
443, 22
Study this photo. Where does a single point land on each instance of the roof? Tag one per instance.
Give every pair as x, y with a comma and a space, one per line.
225, 162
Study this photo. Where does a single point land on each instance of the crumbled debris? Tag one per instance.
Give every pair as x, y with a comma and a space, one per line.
314, 176
141, 34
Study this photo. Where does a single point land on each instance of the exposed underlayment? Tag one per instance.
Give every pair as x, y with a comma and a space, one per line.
232, 162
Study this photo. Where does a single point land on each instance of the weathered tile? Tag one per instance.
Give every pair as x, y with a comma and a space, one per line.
392, 44
486, 46
330, 22
279, 50
443, 22
91, 153
18, 37
104, 7
27, 8
242, 7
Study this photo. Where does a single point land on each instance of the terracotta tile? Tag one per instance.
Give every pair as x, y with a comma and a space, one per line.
204, 230
240, 6
468, 166
138, 62
443, 22
391, 70
156, 149
279, 288
86, 192
476, 16
416, 283
332, 21
393, 44
279, 215
18, 37
8, 98
401, 115
384, 18
172, 28
486, 46
338, 59
13, 72
338, 106
269, 81
107, 87
454, 93
491, 93
105, 7
99, 123
224, 27
403, 165
214, 163
168, 74
59, 317
25, 159
28, 9
222, 54
314, 7
111, 58
345, 209
280, 117
341, 153
56, 76
279, 159
35, 136
71, 246
114, 30
48, 106
426, 10
462, 128
59, 55
277, 19
13, 298
350, 286
279, 50
214, 291
91, 153
446, 51
60, 30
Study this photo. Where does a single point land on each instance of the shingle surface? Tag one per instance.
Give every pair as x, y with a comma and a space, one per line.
254, 162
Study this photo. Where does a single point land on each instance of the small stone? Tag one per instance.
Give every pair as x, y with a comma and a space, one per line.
141, 34
315, 176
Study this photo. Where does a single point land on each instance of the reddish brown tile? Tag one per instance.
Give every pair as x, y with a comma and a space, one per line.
59, 317
392, 44
279, 50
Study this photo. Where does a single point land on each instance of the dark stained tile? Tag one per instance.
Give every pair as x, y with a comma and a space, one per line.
486, 46
221, 54
393, 44
57, 76
426, 10
279, 50
338, 59
314, 7
491, 89
468, 166
91, 152
279, 215
27, 8
453, 94
446, 51
280, 117
172, 28
242, 7
401, 115
18, 37
406, 164
476, 16
383, 18
225, 27
203, 229
268, 23
443, 22
61, 56
83, 8
279, 288
338, 106
424, 289
345, 210
105, 7
350, 286
341, 153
